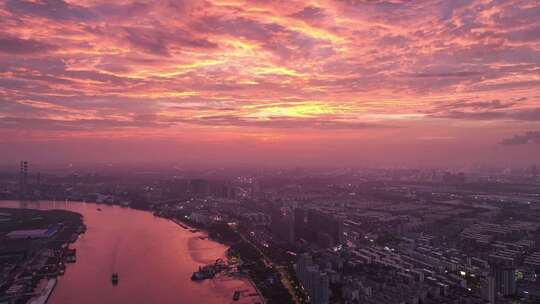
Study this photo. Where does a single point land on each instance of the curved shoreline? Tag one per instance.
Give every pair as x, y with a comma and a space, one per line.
76, 207
185, 225
51, 284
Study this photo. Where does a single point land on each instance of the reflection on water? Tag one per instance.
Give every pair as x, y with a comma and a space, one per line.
153, 257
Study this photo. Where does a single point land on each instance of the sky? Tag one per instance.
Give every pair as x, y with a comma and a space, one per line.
349, 82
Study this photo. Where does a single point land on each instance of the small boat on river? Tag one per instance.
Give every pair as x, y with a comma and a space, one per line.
236, 295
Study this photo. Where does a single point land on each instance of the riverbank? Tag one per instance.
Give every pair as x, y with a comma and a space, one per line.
192, 227
261, 273
34, 246
46, 292
133, 242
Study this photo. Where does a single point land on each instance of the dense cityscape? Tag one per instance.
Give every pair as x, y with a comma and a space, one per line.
270, 151
391, 235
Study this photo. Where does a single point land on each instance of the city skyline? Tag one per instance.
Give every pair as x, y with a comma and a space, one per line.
273, 82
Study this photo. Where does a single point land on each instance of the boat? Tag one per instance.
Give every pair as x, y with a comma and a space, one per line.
114, 278
198, 276
236, 295
206, 272
71, 255
74, 237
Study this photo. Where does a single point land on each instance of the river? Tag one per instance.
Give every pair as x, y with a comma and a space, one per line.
153, 257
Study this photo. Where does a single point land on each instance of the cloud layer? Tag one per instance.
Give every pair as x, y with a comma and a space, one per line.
532, 137
419, 68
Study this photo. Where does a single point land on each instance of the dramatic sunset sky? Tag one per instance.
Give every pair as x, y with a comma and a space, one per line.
351, 82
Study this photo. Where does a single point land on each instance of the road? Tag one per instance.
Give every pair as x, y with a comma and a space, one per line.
281, 269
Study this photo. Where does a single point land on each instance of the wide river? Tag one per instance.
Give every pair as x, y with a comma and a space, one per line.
153, 257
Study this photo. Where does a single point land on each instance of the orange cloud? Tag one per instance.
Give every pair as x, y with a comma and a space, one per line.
168, 67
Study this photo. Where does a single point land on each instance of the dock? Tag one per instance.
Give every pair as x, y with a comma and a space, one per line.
46, 292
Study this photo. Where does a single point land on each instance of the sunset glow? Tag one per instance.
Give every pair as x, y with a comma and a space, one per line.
284, 81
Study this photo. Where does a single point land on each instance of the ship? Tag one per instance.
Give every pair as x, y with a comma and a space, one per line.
236, 295
71, 255
206, 272
209, 271
199, 276
114, 278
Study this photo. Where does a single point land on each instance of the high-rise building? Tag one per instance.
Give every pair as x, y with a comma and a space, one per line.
504, 271
315, 282
300, 223
23, 180
323, 228
337, 230
508, 282
489, 292
222, 190
199, 187
282, 225
255, 190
